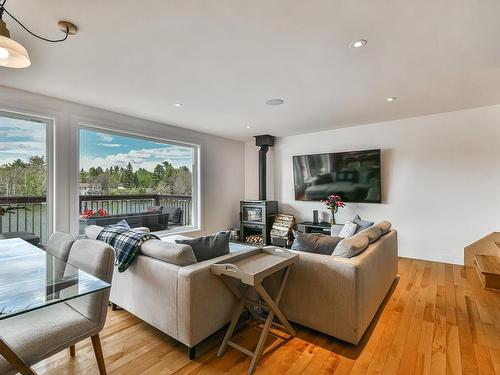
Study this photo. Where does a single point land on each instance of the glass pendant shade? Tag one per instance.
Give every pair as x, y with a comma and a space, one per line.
12, 54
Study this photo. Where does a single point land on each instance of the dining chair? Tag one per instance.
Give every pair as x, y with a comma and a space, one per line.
59, 245
42, 333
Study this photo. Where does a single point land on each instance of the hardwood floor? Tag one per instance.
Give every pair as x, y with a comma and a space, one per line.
437, 319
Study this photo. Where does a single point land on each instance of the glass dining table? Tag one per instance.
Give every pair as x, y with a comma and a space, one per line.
32, 279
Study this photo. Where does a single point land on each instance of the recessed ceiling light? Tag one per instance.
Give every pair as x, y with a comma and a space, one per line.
177, 105
275, 102
248, 127
391, 98
358, 43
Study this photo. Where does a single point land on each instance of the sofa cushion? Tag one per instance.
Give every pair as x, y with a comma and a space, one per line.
316, 243
92, 231
174, 214
348, 229
154, 209
373, 233
208, 247
384, 226
174, 253
352, 246
362, 224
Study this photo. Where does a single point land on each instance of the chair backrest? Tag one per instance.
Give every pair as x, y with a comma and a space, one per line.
59, 245
96, 258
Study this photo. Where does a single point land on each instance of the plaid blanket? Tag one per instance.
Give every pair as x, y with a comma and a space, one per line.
126, 243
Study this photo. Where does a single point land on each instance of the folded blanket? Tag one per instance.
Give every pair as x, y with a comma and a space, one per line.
126, 243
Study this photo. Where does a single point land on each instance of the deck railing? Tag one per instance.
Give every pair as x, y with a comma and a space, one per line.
34, 219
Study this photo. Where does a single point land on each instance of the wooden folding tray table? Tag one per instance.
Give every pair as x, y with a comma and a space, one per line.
251, 269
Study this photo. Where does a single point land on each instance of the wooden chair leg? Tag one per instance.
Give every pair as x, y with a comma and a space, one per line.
72, 351
11, 356
96, 343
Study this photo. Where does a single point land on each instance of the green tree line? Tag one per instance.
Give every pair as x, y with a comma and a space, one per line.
24, 179
29, 179
164, 179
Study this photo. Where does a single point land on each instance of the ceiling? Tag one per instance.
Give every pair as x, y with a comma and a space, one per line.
224, 58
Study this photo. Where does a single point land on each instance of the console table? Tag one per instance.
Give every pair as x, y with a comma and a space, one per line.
323, 227
251, 269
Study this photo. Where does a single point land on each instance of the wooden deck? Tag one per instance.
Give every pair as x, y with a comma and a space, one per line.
437, 319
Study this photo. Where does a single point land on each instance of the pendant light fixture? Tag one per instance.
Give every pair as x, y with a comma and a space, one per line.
13, 54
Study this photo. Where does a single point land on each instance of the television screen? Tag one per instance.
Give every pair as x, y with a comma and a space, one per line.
354, 175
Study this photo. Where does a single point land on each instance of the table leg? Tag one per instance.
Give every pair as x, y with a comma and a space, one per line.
236, 316
273, 305
10, 355
260, 345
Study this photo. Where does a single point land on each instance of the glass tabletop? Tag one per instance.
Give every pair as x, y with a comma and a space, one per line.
31, 279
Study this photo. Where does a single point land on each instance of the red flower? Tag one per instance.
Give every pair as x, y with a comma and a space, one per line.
102, 212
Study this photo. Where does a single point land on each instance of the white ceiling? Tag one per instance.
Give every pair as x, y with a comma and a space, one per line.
224, 58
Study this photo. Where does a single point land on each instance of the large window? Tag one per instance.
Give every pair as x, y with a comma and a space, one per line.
24, 182
147, 183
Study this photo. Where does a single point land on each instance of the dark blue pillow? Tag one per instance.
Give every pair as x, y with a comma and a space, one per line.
361, 224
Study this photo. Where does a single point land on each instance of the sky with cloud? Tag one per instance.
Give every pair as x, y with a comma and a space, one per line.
20, 139
108, 150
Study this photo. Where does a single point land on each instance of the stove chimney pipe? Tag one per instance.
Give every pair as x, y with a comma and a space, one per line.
264, 142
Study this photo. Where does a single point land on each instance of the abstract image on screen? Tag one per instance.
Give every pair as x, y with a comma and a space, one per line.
355, 176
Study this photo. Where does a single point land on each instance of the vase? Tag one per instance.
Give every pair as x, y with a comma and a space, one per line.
332, 222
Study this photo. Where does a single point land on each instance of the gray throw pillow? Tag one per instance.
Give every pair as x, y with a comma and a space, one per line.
174, 214
316, 243
208, 247
352, 246
179, 254
361, 224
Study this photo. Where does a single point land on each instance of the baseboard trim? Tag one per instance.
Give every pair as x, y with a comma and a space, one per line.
433, 257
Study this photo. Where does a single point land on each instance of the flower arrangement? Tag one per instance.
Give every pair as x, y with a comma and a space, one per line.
89, 213
334, 202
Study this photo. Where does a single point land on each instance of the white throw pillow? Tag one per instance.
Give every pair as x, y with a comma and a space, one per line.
348, 229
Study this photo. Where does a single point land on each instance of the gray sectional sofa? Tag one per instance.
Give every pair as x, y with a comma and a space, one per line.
168, 289
340, 296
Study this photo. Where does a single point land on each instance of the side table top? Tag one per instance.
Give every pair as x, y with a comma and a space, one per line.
252, 268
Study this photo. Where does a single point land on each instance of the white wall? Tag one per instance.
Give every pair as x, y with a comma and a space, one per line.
441, 178
222, 160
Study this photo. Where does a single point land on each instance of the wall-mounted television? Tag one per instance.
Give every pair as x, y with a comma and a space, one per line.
354, 175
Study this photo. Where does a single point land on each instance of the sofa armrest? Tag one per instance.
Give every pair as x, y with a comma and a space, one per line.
148, 289
204, 303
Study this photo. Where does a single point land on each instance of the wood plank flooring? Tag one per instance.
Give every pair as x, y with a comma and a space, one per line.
437, 319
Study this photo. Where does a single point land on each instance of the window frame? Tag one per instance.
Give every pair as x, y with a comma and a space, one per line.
195, 195
49, 159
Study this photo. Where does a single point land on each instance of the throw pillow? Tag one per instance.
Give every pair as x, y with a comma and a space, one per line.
348, 229
154, 209
174, 214
208, 247
362, 224
350, 247
178, 254
316, 243
121, 224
